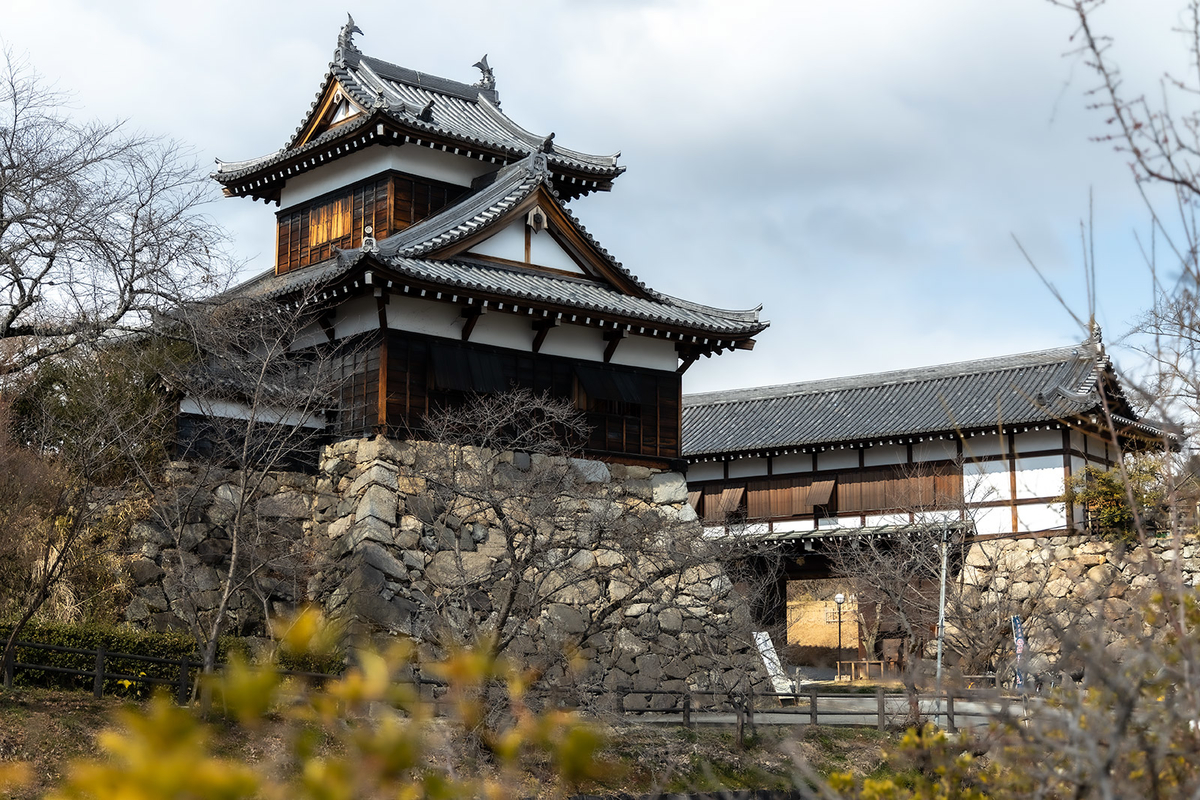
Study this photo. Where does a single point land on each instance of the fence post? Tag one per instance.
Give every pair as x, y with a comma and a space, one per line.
741, 722
181, 689
950, 713
687, 710
812, 705
748, 701
879, 706
8, 667
98, 684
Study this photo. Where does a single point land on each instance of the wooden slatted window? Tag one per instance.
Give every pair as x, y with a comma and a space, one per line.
329, 221
307, 234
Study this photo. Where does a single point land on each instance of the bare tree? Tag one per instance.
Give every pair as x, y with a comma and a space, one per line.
258, 408
98, 226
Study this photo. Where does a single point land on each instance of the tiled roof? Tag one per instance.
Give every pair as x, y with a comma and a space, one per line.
1037, 387
532, 286
468, 114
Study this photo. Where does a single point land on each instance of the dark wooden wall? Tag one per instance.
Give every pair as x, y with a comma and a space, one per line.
630, 411
872, 490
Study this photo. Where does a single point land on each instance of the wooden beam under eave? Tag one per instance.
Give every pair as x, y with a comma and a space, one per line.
613, 338
744, 344
472, 316
543, 326
687, 362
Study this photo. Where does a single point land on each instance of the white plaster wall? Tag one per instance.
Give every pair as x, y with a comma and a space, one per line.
835, 522
503, 330
309, 336
1033, 441
265, 414
885, 454
424, 316
747, 467
706, 471
356, 316
837, 459
642, 351
792, 525
1077, 441
938, 450
1041, 517
1040, 476
886, 519
374, 159
986, 481
574, 341
988, 444
946, 517
508, 243
1077, 464
546, 252
793, 462
993, 520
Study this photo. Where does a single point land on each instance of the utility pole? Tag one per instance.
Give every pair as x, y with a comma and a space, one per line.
839, 598
941, 632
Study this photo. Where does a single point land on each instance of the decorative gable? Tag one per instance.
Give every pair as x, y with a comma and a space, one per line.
529, 243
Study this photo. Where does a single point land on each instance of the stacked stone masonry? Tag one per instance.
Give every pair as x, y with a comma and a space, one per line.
365, 546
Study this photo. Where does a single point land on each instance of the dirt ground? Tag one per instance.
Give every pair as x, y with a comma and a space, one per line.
48, 729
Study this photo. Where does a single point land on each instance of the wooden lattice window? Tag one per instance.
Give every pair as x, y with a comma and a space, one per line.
329, 221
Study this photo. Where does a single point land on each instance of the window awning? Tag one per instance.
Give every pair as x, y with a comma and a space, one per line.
820, 492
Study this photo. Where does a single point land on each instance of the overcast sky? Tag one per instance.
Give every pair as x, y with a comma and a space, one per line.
858, 168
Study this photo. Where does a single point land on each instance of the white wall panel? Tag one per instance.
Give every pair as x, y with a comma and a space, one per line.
885, 454
1039, 517
1039, 476
945, 517
423, 316
937, 450
747, 467
793, 462
574, 341
706, 471
504, 330
988, 444
507, 243
642, 351
792, 525
1033, 441
886, 519
993, 520
986, 481
373, 160
356, 316
837, 459
546, 252
1077, 441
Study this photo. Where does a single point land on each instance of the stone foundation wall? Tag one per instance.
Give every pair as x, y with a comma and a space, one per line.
373, 541
1074, 584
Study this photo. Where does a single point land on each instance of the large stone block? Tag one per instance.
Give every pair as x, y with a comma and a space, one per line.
377, 474
564, 620
144, 571
592, 471
449, 569
287, 505
378, 502
382, 560
668, 487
